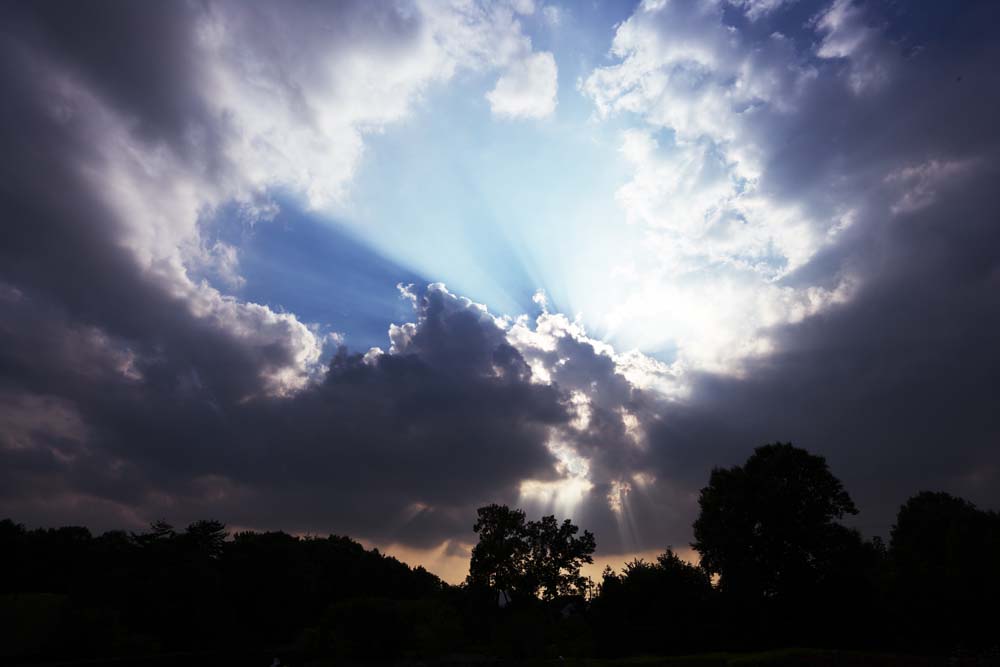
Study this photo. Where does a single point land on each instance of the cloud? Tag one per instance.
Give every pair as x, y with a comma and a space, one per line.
719, 241
847, 35
919, 184
755, 9
527, 89
817, 265
129, 131
239, 101
808, 223
753, 156
397, 448
400, 447
892, 386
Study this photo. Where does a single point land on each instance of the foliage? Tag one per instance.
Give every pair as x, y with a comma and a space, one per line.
661, 607
944, 555
500, 558
196, 589
528, 559
789, 572
765, 526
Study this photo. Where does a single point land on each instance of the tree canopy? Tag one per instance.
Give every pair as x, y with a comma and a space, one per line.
528, 559
943, 555
766, 527
658, 607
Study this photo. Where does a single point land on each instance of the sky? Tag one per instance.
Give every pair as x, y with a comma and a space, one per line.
361, 268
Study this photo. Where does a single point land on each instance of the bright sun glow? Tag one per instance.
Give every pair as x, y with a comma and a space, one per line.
562, 495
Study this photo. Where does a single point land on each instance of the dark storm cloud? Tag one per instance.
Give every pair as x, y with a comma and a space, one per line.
143, 59
62, 246
392, 447
449, 419
897, 388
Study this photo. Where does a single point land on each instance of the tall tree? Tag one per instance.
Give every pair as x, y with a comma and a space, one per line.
528, 559
766, 527
555, 556
499, 559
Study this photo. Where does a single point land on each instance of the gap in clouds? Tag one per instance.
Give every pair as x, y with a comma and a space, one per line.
500, 209
301, 262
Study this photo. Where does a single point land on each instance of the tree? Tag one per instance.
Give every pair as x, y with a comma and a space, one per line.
555, 555
766, 527
68, 595
945, 581
500, 558
664, 606
528, 559
206, 537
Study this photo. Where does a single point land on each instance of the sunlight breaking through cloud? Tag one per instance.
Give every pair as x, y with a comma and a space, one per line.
563, 495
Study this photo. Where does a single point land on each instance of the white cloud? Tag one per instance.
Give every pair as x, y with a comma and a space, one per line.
303, 94
527, 89
712, 104
756, 9
847, 35
706, 213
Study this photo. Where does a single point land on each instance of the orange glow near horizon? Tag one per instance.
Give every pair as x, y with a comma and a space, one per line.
450, 559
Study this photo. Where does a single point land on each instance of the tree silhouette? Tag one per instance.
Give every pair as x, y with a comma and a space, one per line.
206, 537
788, 574
763, 525
663, 606
500, 558
555, 556
944, 555
528, 559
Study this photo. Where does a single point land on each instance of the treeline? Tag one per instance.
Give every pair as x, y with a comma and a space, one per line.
778, 568
69, 594
775, 570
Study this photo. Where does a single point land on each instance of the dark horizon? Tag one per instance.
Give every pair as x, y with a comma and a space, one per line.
778, 570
